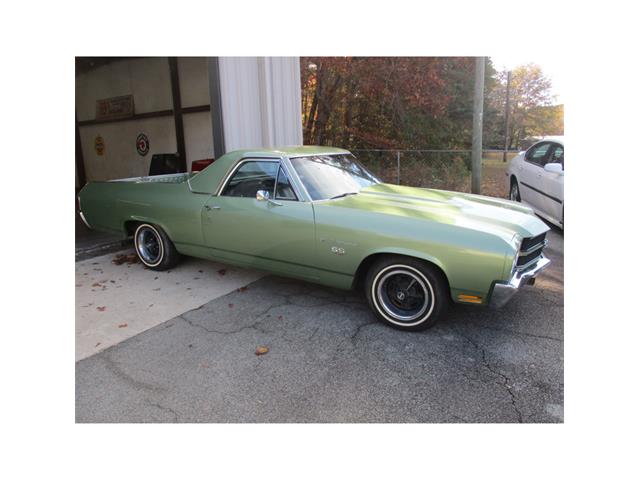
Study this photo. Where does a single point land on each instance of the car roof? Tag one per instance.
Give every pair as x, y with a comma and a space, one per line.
214, 173
554, 138
289, 151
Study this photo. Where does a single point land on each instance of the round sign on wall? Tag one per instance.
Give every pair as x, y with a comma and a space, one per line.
142, 144
98, 144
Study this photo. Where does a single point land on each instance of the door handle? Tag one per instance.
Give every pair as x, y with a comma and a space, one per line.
215, 207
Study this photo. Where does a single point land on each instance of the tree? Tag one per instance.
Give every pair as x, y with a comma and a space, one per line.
418, 103
531, 111
371, 102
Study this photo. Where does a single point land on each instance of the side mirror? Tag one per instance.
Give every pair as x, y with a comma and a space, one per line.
263, 196
554, 168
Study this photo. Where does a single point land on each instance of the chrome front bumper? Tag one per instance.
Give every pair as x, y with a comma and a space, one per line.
502, 292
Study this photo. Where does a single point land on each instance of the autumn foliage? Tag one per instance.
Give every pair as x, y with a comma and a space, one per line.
415, 103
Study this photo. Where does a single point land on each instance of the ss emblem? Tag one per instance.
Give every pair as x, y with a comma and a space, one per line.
337, 250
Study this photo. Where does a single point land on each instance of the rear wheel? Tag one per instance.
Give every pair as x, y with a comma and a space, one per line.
154, 248
514, 191
406, 293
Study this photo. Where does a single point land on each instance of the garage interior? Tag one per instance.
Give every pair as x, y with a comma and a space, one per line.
137, 116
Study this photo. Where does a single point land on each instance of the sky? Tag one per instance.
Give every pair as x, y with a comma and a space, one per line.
552, 66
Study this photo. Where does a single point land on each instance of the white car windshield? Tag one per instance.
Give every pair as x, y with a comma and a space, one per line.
332, 176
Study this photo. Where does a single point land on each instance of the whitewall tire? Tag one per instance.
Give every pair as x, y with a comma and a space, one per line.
154, 248
406, 293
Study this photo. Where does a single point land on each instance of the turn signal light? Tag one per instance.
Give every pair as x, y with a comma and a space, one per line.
470, 298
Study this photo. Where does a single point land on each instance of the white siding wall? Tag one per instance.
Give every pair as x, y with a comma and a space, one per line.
260, 101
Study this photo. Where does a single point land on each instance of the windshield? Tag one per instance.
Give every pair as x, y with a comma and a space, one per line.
329, 176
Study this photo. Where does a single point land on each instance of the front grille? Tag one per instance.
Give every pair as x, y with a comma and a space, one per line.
528, 244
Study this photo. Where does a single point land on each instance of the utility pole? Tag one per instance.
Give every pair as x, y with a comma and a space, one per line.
506, 119
476, 142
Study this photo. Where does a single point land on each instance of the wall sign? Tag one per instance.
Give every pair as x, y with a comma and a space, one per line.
142, 144
98, 144
114, 107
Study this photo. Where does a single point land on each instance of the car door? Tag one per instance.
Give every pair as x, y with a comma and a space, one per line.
276, 234
553, 185
530, 175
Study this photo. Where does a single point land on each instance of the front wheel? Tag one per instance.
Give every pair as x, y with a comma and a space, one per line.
154, 248
406, 293
514, 192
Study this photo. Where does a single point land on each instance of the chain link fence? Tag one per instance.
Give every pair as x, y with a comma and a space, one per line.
440, 169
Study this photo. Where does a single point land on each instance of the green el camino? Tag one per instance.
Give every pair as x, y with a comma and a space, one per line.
316, 214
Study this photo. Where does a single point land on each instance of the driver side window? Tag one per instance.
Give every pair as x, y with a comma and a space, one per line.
284, 191
557, 155
250, 177
538, 154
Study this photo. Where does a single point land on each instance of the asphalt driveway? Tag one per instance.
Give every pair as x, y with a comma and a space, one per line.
329, 360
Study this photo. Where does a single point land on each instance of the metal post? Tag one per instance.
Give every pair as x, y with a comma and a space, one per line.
476, 148
398, 167
177, 113
215, 94
506, 120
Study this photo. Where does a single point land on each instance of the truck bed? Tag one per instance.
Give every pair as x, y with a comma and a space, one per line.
168, 178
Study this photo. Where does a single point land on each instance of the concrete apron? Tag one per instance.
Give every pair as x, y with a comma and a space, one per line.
116, 302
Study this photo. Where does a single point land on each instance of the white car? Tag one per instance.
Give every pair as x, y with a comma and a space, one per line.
536, 178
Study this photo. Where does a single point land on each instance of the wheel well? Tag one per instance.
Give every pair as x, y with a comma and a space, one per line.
363, 268
130, 227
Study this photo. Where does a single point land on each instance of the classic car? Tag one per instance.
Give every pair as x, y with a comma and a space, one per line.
536, 178
315, 213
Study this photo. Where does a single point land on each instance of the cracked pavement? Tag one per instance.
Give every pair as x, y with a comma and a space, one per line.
330, 360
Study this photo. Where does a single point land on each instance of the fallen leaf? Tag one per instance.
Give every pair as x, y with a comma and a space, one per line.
123, 325
101, 309
96, 285
128, 259
97, 344
262, 350
243, 289
222, 271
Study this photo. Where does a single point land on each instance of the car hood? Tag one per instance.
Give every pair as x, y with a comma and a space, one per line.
491, 215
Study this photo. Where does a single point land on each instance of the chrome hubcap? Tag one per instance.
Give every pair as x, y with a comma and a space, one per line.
403, 294
148, 245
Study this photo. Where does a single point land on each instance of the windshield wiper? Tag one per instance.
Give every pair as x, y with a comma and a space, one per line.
343, 195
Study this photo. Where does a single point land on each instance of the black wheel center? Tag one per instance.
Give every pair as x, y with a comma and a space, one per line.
148, 246
404, 292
